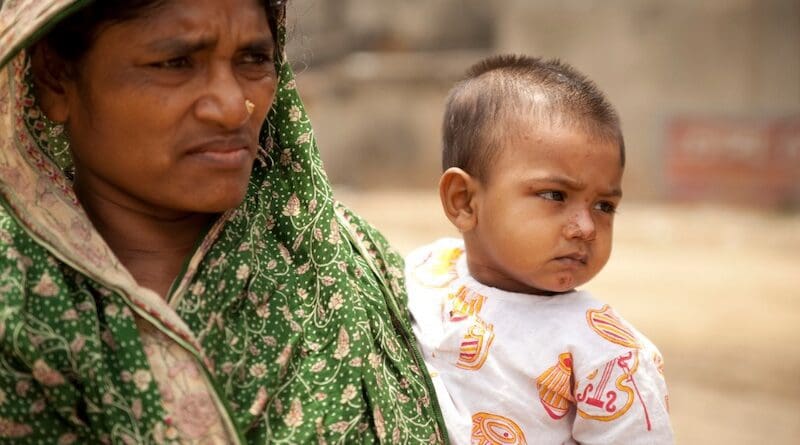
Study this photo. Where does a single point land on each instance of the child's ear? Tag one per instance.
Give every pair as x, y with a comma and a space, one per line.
457, 191
50, 75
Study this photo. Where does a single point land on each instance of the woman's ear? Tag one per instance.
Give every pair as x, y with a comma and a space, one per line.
50, 75
457, 191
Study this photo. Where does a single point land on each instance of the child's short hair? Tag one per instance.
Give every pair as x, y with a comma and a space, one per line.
506, 87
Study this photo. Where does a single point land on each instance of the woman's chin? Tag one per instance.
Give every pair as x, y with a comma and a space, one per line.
217, 201
222, 206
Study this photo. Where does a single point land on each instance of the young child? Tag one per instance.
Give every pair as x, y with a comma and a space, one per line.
533, 159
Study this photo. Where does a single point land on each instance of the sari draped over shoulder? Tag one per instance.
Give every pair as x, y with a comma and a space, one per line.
288, 324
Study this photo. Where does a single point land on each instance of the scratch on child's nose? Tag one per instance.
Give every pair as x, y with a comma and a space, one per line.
572, 227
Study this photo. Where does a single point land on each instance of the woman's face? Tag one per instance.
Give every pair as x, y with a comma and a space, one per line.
164, 110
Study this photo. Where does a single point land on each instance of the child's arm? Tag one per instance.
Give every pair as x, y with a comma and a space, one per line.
624, 400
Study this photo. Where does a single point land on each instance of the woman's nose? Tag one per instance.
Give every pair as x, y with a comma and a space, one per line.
580, 225
223, 102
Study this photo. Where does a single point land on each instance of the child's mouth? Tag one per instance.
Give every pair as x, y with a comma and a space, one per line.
574, 258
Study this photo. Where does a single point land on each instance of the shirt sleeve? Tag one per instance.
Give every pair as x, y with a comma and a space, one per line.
623, 400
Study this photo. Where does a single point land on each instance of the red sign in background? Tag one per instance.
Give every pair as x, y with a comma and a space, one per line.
734, 160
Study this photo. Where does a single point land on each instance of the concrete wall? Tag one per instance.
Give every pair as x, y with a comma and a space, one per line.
375, 72
374, 75
658, 60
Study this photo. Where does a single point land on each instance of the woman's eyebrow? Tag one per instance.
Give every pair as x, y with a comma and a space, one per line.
180, 45
261, 44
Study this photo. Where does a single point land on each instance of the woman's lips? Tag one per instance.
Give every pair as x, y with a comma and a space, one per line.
228, 158
227, 154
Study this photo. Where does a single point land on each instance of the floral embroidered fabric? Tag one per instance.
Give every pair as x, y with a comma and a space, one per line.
288, 325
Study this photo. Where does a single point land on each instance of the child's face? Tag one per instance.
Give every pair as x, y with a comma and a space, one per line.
545, 212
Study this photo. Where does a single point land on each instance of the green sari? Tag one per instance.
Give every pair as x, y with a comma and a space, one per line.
289, 321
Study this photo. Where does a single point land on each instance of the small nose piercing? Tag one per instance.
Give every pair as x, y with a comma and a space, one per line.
249, 105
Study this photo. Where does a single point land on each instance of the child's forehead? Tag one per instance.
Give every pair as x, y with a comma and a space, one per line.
526, 140
529, 129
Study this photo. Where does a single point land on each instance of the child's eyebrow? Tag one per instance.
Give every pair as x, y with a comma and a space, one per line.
573, 184
564, 181
613, 193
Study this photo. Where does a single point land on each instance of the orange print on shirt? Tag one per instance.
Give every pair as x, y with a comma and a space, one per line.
465, 303
600, 399
439, 269
602, 406
492, 429
555, 387
475, 346
607, 325
658, 361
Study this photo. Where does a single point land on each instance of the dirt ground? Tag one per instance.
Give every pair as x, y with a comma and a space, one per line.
715, 288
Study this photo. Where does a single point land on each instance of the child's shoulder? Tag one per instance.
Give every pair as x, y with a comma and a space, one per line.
434, 264
448, 249
603, 325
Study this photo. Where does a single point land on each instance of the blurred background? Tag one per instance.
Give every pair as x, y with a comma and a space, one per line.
707, 248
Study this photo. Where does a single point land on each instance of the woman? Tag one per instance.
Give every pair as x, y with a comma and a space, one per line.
173, 268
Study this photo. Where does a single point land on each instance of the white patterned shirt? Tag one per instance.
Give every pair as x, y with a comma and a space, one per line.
513, 368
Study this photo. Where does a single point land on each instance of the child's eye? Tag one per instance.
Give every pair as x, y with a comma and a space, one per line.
606, 207
552, 195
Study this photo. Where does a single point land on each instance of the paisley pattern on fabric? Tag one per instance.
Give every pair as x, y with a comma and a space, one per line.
292, 309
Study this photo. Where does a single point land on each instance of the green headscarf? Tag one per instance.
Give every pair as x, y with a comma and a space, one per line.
294, 307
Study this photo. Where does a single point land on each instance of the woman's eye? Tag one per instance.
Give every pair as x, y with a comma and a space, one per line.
257, 58
606, 207
256, 65
174, 63
552, 195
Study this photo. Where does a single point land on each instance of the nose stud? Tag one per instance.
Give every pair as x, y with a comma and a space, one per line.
249, 105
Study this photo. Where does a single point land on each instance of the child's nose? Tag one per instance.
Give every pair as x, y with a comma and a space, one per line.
580, 225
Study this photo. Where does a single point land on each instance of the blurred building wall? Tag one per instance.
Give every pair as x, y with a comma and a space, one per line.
663, 60
375, 73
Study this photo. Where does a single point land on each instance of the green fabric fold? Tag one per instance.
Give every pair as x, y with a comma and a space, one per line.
290, 296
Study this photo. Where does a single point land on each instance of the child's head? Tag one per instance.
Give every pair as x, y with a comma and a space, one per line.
533, 158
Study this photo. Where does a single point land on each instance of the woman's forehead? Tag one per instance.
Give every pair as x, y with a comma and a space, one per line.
200, 18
